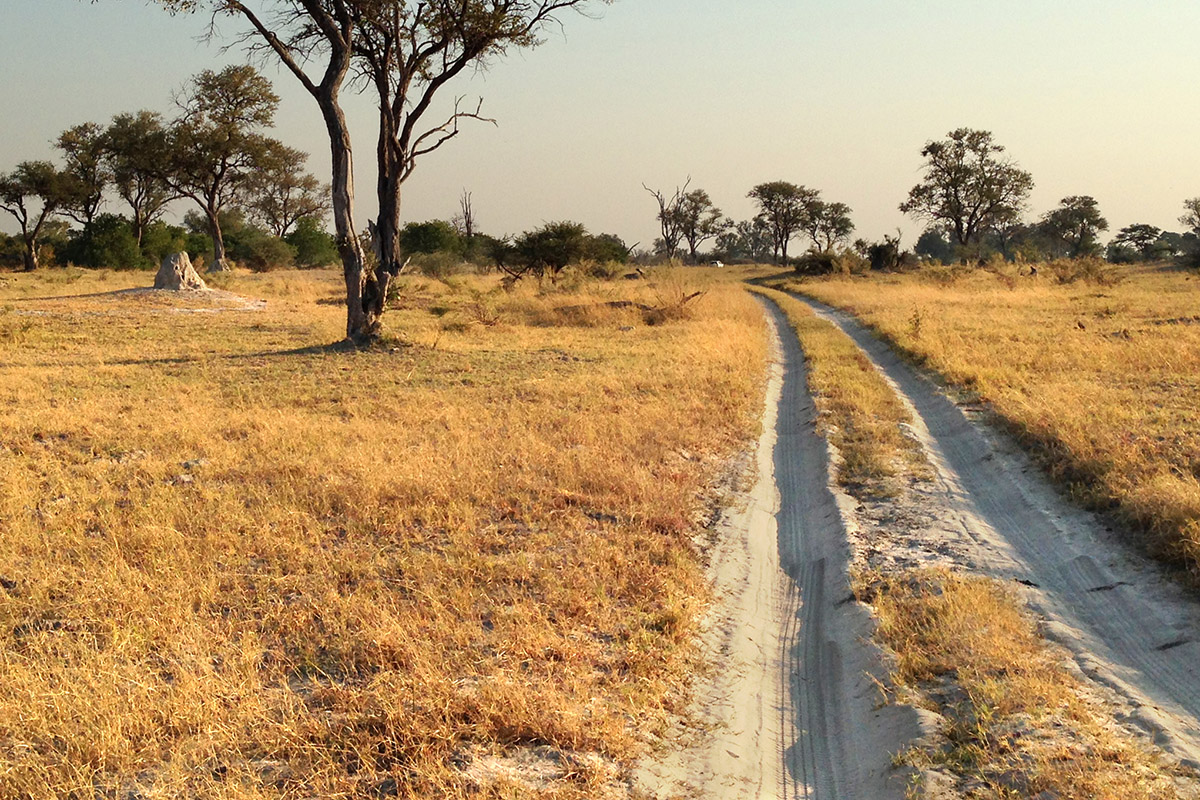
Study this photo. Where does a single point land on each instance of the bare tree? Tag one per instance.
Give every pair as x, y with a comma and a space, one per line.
670, 216
406, 52
464, 220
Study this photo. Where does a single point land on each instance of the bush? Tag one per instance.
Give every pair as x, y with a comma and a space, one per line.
313, 245
260, 251
434, 236
440, 265
830, 262
160, 240
888, 256
109, 242
1088, 270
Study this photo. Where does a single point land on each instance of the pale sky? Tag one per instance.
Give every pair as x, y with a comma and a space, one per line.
1091, 96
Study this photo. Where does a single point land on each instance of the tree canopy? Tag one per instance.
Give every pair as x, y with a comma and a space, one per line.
785, 209
969, 185
405, 53
1076, 223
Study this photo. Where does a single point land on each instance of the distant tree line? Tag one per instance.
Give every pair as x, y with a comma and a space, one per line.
252, 201
974, 199
786, 211
972, 196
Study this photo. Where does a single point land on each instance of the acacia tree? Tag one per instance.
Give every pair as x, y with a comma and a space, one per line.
827, 224
699, 221
784, 207
1076, 224
216, 148
406, 51
1140, 236
33, 193
135, 147
1191, 215
280, 193
969, 185
83, 148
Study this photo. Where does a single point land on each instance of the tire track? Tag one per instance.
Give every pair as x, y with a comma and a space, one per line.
794, 706
1126, 626
838, 738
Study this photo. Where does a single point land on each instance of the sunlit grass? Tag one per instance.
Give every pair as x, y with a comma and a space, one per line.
1017, 724
1101, 380
239, 563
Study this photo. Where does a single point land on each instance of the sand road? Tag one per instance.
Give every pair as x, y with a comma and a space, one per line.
1128, 627
795, 707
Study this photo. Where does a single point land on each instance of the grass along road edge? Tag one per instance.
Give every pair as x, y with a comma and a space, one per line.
1015, 720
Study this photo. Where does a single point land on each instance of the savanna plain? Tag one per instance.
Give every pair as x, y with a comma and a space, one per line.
469, 561
238, 563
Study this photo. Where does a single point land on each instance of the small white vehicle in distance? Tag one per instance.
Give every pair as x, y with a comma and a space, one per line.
716, 263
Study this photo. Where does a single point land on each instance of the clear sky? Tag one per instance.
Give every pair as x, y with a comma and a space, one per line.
1091, 96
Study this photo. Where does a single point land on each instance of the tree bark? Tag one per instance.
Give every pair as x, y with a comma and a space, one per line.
30, 256
220, 262
360, 326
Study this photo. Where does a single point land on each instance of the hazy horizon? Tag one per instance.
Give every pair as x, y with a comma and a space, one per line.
1090, 97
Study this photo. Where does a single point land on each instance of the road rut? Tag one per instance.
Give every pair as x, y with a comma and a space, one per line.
1126, 625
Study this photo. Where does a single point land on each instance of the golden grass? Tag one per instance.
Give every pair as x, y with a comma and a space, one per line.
1102, 381
1018, 724
237, 563
860, 414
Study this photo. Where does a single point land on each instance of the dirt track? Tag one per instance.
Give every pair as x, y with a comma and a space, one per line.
795, 708
1127, 627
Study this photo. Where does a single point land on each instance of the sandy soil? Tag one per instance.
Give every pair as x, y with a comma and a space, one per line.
1130, 630
793, 709
149, 301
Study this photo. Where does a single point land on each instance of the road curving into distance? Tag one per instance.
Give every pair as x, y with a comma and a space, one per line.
1127, 626
794, 707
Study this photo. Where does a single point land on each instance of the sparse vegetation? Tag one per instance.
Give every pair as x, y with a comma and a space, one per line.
211, 589
1017, 724
860, 413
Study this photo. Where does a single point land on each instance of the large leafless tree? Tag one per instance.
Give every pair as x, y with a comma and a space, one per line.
405, 52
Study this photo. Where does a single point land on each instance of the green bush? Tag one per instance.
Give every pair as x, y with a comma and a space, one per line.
314, 246
109, 242
160, 240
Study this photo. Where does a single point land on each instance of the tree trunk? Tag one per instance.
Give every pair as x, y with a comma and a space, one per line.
220, 262
360, 328
30, 256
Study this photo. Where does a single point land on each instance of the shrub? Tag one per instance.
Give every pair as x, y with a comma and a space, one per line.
259, 250
314, 246
1088, 270
160, 240
109, 242
434, 236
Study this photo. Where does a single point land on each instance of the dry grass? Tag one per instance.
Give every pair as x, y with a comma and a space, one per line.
1101, 380
1018, 724
860, 414
240, 564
